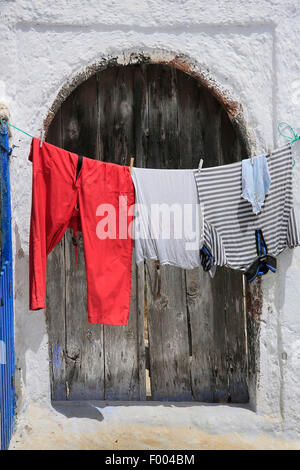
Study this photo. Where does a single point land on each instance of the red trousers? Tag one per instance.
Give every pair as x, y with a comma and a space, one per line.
96, 202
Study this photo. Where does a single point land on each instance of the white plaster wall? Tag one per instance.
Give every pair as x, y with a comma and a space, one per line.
250, 49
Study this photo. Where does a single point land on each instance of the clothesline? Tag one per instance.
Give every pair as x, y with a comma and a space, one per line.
18, 129
292, 138
29, 135
192, 218
235, 229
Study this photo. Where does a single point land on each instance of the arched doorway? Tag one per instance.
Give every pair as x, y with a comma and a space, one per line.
190, 342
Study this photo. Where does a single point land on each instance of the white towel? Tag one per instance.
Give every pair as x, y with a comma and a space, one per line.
168, 225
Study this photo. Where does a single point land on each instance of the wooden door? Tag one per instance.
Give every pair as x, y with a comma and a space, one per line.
188, 343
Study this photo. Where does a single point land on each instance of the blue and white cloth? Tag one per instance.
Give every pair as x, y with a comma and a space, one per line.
255, 181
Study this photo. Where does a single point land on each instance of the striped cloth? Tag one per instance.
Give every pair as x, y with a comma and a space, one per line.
229, 223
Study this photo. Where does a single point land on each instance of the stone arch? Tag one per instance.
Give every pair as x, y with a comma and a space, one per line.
189, 67
179, 61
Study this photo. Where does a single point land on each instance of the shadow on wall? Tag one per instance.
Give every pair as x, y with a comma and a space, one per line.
78, 410
284, 261
90, 409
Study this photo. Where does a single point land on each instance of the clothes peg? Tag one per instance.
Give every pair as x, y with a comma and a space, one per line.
131, 163
42, 137
293, 135
157, 265
12, 149
200, 164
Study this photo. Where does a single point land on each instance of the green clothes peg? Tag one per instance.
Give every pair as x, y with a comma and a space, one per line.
292, 137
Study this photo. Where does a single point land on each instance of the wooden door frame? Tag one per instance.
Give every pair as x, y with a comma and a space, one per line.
190, 66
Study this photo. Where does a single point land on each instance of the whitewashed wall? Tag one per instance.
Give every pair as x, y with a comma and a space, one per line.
251, 49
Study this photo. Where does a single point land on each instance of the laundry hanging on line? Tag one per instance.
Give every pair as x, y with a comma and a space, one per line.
68, 187
255, 181
62, 198
168, 222
230, 224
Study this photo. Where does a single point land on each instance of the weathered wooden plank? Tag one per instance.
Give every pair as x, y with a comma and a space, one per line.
210, 114
210, 375
190, 121
233, 147
80, 120
168, 334
140, 313
219, 364
228, 325
140, 118
219, 354
141, 138
55, 298
236, 338
227, 289
219, 385
201, 314
55, 314
84, 341
162, 118
123, 380
167, 313
54, 134
122, 361
115, 101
